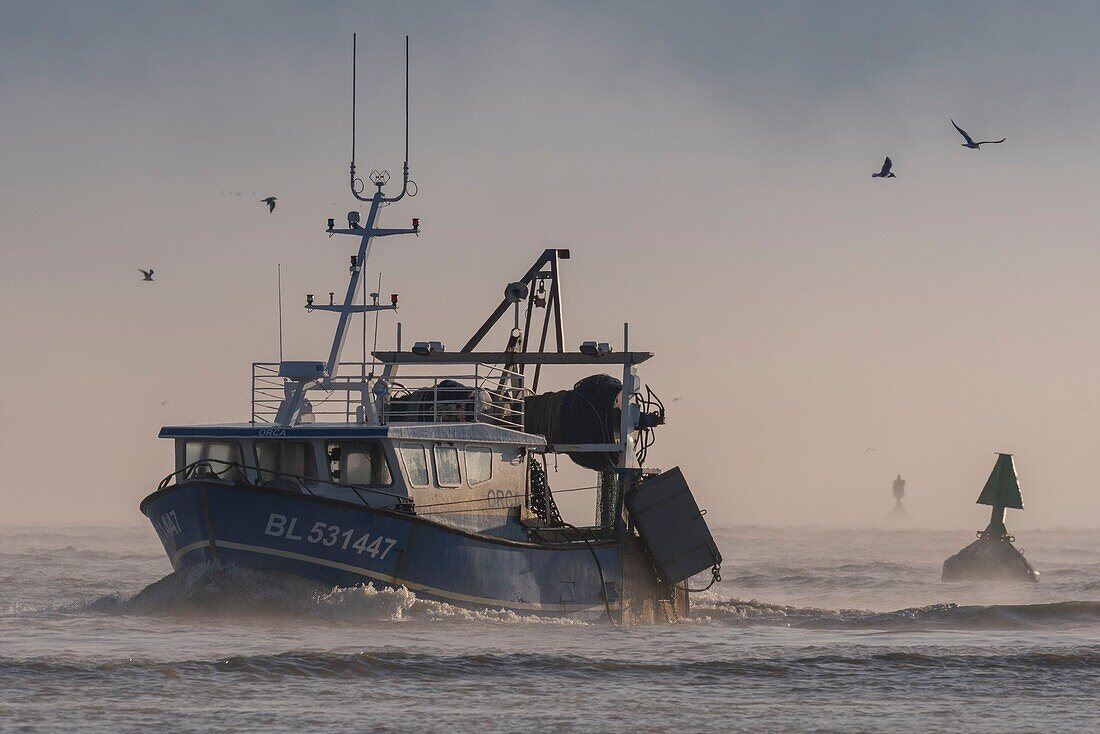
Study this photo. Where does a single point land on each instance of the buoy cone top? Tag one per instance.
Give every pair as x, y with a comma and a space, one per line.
1002, 489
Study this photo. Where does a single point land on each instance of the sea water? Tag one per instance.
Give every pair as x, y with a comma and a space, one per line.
811, 629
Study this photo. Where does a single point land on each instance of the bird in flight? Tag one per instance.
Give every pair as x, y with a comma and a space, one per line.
148, 275
885, 172
970, 141
270, 201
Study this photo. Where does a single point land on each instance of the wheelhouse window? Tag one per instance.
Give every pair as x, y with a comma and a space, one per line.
359, 462
277, 459
479, 464
447, 473
415, 458
214, 458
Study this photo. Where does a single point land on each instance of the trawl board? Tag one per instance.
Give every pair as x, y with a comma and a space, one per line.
671, 527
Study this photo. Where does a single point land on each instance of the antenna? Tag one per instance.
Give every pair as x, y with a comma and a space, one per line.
280, 280
379, 177
364, 368
375, 347
354, 66
406, 107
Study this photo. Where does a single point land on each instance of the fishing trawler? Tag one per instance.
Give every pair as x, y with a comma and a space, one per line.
427, 469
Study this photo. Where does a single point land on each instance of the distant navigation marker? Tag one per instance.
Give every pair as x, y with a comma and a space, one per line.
992, 556
898, 514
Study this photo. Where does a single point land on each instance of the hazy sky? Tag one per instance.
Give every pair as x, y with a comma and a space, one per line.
707, 164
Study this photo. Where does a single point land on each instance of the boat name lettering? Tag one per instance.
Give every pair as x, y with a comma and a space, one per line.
500, 498
281, 526
272, 432
167, 525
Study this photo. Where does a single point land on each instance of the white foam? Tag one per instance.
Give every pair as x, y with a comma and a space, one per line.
206, 590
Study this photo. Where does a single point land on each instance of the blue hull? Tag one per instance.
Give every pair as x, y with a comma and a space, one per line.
345, 544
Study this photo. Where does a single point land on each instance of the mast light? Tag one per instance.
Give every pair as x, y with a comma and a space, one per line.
596, 349
423, 349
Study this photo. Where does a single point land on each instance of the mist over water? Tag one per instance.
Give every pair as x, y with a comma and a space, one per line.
852, 625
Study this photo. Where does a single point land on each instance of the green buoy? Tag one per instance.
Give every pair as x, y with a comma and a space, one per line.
992, 556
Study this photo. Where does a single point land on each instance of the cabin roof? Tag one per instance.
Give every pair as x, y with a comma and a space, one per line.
417, 431
515, 358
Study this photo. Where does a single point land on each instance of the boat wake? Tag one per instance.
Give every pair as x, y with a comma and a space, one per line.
933, 617
232, 592
206, 590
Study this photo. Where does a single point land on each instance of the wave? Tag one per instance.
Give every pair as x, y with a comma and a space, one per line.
935, 616
208, 590
409, 666
862, 576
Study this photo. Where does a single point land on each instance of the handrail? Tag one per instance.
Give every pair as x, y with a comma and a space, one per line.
189, 472
495, 395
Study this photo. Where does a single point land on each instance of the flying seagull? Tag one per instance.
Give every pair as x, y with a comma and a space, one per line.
970, 141
885, 172
270, 201
148, 275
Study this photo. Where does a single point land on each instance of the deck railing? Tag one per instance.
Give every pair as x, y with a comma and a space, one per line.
267, 391
481, 393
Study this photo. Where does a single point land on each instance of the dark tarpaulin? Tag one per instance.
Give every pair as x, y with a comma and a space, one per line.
447, 402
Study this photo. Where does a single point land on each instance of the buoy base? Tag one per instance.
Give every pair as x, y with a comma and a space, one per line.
989, 559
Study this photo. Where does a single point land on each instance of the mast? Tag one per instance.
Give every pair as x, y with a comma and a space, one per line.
349, 308
295, 387
379, 178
